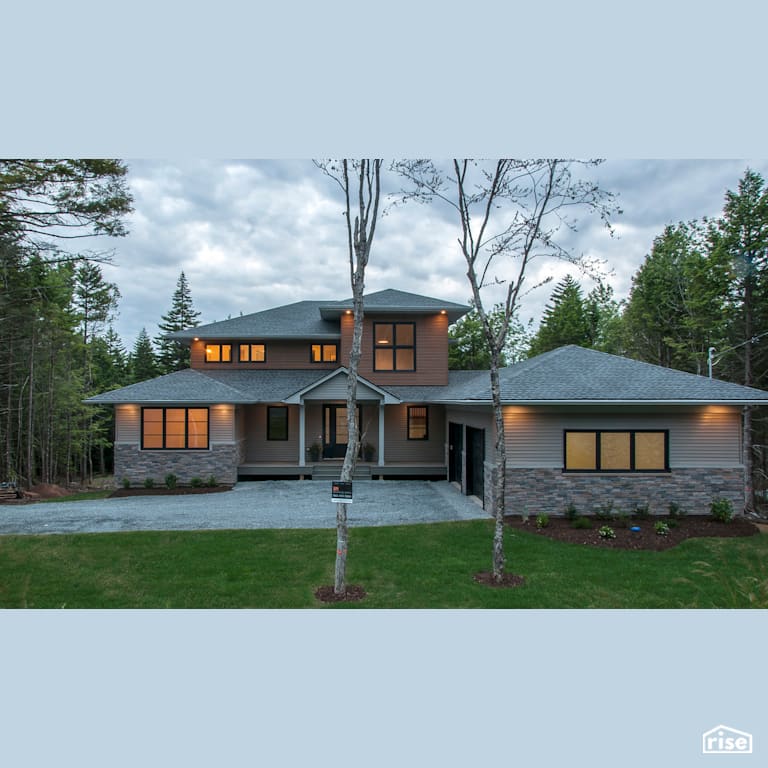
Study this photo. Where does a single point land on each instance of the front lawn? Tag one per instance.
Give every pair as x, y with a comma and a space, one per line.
415, 566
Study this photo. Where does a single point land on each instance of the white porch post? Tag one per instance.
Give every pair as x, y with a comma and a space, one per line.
302, 438
381, 433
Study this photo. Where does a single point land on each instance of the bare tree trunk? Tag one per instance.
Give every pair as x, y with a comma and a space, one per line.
500, 456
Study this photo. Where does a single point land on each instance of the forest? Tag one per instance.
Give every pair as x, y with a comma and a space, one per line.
699, 299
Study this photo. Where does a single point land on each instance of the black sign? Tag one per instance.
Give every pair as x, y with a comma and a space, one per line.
341, 492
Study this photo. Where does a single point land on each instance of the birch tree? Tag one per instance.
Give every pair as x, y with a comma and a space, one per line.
510, 212
360, 182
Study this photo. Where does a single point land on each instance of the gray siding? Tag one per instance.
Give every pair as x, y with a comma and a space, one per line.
258, 448
706, 436
397, 446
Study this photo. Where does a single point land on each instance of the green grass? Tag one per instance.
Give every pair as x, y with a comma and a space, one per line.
420, 566
81, 496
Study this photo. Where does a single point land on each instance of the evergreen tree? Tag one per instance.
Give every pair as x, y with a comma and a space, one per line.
603, 314
468, 350
564, 320
143, 362
171, 355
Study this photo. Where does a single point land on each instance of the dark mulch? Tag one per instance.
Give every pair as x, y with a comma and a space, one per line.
121, 492
646, 538
353, 592
507, 579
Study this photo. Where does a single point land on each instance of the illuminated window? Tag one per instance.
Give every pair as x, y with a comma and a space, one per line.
218, 353
324, 353
616, 451
253, 353
418, 422
174, 428
394, 346
277, 423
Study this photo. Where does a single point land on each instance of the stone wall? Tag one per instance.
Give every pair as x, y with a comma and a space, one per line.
221, 461
550, 491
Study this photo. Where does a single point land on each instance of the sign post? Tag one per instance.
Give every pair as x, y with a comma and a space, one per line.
341, 492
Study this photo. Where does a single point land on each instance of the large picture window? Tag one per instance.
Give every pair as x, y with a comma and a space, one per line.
616, 451
277, 423
218, 353
394, 346
174, 428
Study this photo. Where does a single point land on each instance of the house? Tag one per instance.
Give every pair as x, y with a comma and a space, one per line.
265, 397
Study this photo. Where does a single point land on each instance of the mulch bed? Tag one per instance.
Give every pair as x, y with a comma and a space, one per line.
121, 492
646, 538
352, 593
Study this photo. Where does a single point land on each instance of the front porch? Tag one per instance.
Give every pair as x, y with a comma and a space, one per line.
331, 469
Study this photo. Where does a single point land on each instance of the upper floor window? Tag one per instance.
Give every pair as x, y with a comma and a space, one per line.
218, 353
616, 451
181, 428
253, 353
324, 353
394, 346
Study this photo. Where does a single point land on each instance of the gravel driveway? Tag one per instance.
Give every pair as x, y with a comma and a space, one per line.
267, 504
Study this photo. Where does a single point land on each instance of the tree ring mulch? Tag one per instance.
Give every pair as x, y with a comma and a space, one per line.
507, 579
352, 593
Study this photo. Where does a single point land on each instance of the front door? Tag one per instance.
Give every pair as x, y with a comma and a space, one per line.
334, 431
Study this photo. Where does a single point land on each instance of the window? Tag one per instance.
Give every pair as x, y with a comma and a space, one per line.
218, 353
253, 353
277, 423
324, 353
394, 346
418, 422
179, 428
616, 451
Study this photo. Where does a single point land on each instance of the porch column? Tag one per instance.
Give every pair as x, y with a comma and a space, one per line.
381, 433
302, 439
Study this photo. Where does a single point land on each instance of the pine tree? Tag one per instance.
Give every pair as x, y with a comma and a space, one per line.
171, 355
143, 362
564, 320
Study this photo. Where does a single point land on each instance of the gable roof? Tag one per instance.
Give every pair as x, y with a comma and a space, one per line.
572, 374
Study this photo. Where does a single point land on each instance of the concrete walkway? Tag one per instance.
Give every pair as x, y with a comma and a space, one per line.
267, 504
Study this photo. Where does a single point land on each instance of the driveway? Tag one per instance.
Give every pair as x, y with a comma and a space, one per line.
267, 504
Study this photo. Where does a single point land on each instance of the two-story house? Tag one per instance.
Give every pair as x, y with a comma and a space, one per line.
265, 397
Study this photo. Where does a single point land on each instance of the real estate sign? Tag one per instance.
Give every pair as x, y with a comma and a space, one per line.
341, 492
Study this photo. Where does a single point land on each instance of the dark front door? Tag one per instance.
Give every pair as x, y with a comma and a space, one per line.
475, 462
334, 431
455, 451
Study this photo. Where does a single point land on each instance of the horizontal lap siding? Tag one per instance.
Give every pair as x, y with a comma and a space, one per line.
399, 448
281, 355
258, 448
431, 350
698, 437
479, 419
127, 424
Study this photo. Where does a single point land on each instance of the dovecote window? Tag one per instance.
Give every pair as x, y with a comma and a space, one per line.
394, 346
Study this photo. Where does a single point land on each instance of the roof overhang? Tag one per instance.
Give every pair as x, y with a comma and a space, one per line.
735, 403
453, 313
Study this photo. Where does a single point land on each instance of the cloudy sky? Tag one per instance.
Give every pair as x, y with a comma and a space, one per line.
255, 234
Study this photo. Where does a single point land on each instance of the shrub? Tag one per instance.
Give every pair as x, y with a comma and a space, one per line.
126, 481
149, 482
571, 513
542, 521
581, 523
622, 520
196, 482
606, 532
641, 512
675, 510
661, 528
211, 482
170, 481
722, 510
605, 512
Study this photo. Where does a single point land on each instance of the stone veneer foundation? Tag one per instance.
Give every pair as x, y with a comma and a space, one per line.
550, 491
221, 462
